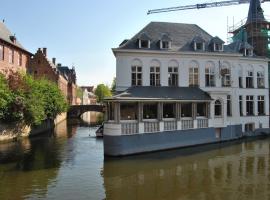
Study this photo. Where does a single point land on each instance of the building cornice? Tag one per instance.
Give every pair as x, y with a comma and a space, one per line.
117, 51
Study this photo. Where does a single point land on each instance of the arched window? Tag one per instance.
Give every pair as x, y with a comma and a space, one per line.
210, 75
249, 77
260, 77
194, 74
155, 73
218, 108
136, 73
173, 73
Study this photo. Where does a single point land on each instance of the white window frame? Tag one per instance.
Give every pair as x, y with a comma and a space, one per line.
250, 98
174, 71
250, 76
260, 99
260, 79
193, 76
210, 76
136, 72
140, 44
156, 75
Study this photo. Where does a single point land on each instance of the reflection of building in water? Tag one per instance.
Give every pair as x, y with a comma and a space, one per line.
89, 98
239, 171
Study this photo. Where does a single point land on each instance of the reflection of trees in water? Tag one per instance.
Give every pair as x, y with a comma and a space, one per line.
235, 171
32, 164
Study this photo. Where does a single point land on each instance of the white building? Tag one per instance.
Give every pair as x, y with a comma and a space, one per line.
176, 78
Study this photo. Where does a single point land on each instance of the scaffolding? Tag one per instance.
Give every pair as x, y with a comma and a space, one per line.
256, 33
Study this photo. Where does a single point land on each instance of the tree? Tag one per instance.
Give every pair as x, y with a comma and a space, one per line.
101, 92
113, 86
5, 96
29, 101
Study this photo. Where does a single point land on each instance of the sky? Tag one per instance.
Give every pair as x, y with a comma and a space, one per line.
81, 33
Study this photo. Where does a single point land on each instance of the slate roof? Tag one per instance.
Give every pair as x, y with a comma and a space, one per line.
163, 93
181, 35
6, 35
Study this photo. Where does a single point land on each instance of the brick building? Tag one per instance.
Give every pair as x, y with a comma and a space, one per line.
41, 67
13, 56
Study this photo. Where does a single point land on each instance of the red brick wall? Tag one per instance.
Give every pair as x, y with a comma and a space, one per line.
5, 66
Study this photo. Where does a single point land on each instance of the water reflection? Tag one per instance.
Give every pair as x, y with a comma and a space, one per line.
28, 166
238, 170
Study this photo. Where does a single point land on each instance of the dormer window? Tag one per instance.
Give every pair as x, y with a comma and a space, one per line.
144, 41
248, 52
198, 46
217, 44
218, 47
165, 45
144, 44
165, 42
198, 43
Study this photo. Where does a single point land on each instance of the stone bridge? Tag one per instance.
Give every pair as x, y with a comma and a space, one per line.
75, 111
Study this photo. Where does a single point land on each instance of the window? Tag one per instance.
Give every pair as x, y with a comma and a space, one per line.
1, 52
194, 77
260, 80
199, 46
144, 44
218, 47
218, 132
218, 108
186, 109
150, 111
250, 105
165, 44
173, 76
226, 77
155, 76
229, 105
249, 79
241, 105
248, 52
19, 59
128, 111
111, 111
136, 76
210, 77
11, 56
201, 110
261, 105
240, 82
249, 127
168, 110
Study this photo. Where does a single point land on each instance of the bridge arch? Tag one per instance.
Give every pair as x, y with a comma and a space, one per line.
75, 111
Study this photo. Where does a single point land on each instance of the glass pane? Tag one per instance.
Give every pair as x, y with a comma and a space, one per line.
186, 109
201, 109
168, 110
150, 111
128, 111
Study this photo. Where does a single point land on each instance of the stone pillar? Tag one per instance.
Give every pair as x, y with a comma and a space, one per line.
117, 112
178, 111
140, 111
194, 110
160, 111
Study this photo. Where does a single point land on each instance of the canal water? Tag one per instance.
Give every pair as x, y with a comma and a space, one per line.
68, 164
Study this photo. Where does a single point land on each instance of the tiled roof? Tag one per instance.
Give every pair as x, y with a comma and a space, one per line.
164, 93
181, 36
6, 35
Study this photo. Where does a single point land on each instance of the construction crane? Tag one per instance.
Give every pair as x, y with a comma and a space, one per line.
200, 6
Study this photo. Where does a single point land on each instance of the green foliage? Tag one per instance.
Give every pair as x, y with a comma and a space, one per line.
101, 92
29, 101
113, 86
5, 96
79, 92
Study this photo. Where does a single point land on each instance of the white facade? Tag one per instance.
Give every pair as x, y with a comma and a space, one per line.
238, 65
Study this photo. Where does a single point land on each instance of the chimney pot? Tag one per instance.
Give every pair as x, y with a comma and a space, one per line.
45, 52
54, 60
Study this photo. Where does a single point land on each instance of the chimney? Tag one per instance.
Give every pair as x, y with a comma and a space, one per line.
45, 52
54, 60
